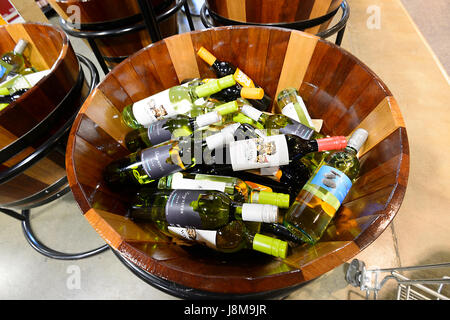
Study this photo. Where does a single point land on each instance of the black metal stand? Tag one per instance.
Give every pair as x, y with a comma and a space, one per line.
208, 17
55, 142
148, 21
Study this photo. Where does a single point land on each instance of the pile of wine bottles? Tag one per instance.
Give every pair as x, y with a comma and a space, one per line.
209, 163
17, 75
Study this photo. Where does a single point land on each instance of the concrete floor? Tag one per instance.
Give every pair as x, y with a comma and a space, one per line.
418, 235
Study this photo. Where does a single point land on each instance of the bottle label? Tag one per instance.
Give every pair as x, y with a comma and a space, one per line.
257, 153
180, 210
289, 111
2, 71
243, 79
298, 129
330, 185
157, 107
178, 182
157, 134
156, 162
207, 237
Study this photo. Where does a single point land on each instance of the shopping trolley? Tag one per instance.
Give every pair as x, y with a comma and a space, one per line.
371, 281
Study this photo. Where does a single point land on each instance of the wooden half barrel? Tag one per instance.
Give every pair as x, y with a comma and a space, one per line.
279, 12
36, 118
94, 15
336, 87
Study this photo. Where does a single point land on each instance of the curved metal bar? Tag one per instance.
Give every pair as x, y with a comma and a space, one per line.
24, 217
340, 26
46, 251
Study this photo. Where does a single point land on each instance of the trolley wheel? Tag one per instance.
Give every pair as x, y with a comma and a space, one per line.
354, 273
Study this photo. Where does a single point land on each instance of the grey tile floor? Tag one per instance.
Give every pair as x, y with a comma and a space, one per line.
26, 274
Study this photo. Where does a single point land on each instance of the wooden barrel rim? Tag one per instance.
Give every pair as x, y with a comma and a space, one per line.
303, 273
297, 24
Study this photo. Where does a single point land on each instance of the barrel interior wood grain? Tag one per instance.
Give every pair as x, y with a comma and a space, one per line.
272, 11
336, 87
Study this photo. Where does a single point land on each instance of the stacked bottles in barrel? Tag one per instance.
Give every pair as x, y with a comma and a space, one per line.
17, 75
199, 164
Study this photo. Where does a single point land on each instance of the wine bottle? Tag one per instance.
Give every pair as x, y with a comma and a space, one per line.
324, 192
223, 68
10, 97
205, 209
233, 237
279, 123
13, 62
292, 106
176, 100
176, 126
277, 150
235, 188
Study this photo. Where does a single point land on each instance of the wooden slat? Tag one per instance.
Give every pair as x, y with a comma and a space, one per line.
296, 60
36, 59
181, 51
236, 10
319, 9
380, 123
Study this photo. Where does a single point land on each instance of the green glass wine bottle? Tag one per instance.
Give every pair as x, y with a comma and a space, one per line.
205, 209
176, 126
322, 195
279, 123
233, 237
176, 100
291, 105
13, 62
235, 188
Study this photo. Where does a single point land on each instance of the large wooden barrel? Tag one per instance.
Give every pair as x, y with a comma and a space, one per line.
274, 12
336, 87
36, 118
97, 15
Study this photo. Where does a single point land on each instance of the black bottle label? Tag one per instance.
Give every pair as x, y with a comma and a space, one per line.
157, 162
298, 129
180, 210
157, 134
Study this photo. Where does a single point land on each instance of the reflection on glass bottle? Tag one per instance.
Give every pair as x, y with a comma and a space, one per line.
323, 194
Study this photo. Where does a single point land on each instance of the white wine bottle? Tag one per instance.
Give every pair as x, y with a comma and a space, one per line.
233, 237
176, 100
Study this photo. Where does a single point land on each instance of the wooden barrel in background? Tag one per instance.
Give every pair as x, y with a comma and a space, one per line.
266, 12
96, 15
37, 117
335, 86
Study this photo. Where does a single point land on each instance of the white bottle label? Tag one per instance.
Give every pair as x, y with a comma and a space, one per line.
219, 140
178, 182
207, 237
289, 111
257, 153
157, 107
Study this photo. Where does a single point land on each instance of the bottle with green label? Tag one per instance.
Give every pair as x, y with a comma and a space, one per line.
235, 188
291, 105
204, 209
180, 99
177, 126
280, 124
233, 237
322, 195
13, 62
